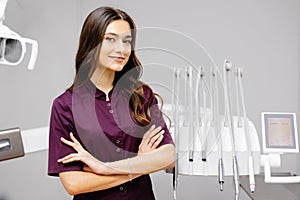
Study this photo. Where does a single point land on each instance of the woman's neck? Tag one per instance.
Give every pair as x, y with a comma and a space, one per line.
103, 79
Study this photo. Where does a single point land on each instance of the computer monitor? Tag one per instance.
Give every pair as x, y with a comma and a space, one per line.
279, 132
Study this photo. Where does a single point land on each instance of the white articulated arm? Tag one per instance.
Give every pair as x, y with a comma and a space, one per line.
273, 160
35, 139
2, 9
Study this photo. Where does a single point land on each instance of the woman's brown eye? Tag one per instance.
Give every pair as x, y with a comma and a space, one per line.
127, 42
110, 39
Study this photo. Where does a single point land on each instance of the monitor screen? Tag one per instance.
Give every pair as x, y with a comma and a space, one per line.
279, 132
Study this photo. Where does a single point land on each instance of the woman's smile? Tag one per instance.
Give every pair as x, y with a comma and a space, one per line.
119, 59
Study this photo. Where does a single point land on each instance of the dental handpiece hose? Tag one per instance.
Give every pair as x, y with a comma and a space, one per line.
217, 128
191, 113
176, 129
246, 127
185, 118
227, 68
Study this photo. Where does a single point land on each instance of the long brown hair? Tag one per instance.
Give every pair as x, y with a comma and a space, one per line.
91, 37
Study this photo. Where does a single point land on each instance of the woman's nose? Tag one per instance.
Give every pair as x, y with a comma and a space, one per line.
120, 46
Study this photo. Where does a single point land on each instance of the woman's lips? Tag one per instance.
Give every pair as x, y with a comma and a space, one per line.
117, 58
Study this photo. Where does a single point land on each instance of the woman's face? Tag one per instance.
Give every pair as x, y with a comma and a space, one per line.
116, 45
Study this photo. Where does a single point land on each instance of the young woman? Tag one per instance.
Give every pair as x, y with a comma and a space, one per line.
107, 133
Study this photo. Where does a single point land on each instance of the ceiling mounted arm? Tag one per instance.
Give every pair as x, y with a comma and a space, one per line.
2, 9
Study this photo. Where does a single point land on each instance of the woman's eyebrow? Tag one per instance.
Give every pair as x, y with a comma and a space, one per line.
114, 34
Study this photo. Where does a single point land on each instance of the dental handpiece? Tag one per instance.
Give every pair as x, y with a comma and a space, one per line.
251, 175
236, 177
221, 174
175, 177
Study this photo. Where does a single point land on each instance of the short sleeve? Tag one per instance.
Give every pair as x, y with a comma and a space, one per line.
61, 124
157, 116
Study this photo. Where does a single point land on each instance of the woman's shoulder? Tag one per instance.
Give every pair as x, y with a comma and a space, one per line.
64, 99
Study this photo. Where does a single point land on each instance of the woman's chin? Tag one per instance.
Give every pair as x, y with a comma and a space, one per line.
116, 68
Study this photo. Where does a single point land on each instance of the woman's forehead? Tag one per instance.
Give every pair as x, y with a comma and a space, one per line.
118, 27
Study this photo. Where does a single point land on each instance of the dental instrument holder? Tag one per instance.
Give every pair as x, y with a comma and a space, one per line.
183, 144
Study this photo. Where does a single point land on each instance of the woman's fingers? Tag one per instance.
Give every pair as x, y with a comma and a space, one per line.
147, 134
151, 139
69, 158
154, 132
74, 139
74, 143
156, 139
81, 152
150, 133
92, 164
67, 142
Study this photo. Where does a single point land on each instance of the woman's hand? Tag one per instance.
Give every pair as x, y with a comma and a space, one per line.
91, 163
151, 139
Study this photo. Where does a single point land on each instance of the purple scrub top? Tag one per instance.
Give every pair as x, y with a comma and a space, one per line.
107, 130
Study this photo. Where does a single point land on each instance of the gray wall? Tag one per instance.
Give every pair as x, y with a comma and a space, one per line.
260, 36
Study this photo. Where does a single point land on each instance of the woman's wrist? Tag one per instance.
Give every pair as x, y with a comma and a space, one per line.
106, 168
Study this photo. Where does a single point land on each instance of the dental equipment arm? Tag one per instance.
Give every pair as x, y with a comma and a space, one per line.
2, 9
273, 160
34, 53
13, 46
